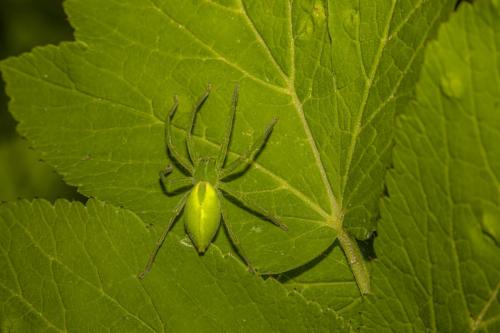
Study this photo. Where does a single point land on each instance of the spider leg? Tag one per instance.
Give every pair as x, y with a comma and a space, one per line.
247, 158
176, 184
234, 239
196, 108
164, 173
239, 197
229, 129
160, 241
168, 140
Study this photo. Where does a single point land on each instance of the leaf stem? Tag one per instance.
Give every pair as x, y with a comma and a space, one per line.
355, 260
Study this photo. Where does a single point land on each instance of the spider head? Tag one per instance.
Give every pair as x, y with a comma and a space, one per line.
206, 170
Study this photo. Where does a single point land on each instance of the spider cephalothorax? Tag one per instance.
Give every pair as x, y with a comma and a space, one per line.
202, 203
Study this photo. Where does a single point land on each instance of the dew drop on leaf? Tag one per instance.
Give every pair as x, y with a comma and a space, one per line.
186, 242
256, 229
452, 85
319, 10
350, 20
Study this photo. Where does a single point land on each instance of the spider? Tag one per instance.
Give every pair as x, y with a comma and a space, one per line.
202, 207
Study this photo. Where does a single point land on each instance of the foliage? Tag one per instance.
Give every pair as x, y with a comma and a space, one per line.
336, 73
24, 24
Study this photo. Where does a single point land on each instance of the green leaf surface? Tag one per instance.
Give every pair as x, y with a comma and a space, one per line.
334, 72
438, 267
73, 268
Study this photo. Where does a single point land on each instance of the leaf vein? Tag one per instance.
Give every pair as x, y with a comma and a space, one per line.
31, 307
219, 56
261, 41
101, 291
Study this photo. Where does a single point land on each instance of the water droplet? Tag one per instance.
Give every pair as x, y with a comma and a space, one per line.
257, 230
350, 21
186, 242
319, 10
490, 221
452, 85
305, 28
314, 17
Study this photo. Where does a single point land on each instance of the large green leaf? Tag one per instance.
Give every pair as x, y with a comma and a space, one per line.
334, 72
438, 267
73, 268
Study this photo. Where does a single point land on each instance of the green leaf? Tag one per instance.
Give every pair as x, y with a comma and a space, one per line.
73, 268
438, 267
334, 72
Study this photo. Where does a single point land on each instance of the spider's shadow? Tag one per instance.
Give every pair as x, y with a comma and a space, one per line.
178, 166
296, 272
239, 174
366, 247
172, 193
244, 170
244, 207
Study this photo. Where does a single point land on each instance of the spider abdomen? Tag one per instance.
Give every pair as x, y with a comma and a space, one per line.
202, 215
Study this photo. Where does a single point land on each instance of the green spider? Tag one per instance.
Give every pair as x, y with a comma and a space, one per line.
202, 204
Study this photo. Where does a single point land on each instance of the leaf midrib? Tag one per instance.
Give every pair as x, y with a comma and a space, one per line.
291, 91
366, 94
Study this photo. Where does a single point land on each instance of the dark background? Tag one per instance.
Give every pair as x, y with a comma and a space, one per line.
25, 24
